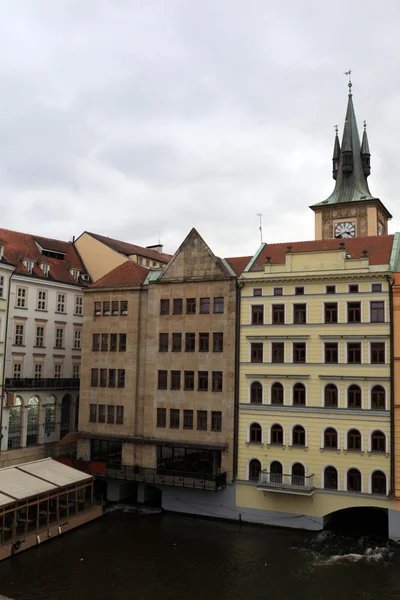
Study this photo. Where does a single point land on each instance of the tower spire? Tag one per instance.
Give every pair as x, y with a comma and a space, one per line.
365, 153
336, 154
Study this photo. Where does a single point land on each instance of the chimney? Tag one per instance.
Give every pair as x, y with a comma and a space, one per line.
157, 247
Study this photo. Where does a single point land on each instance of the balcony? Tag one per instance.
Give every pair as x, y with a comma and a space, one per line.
302, 485
30, 383
198, 481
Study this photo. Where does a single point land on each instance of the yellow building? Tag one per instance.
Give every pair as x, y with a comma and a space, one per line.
315, 427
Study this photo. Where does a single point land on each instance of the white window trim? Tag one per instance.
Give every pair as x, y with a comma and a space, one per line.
362, 480
345, 439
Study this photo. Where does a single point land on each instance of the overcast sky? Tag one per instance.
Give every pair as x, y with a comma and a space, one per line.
130, 117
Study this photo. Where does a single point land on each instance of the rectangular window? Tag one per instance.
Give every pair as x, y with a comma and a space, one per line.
189, 380
176, 342
190, 342
40, 336
191, 306
378, 353
17, 371
57, 371
163, 342
121, 378
104, 342
120, 415
106, 309
164, 307
354, 352
299, 313
39, 370
124, 312
95, 342
376, 287
76, 372
204, 342
122, 342
256, 352
19, 334
177, 306
102, 413
162, 380
112, 377
174, 418
218, 342
187, 419
61, 303
353, 288
202, 420
331, 352
204, 306
60, 337
299, 291
161, 417
216, 420
217, 381
175, 380
94, 380
78, 305
218, 305
257, 314
299, 352
93, 413
331, 312
278, 352
278, 291
330, 289
21, 297
110, 413
97, 309
41, 300
278, 314
203, 381
377, 312
103, 377
113, 342
354, 312
115, 308
77, 339
257, 292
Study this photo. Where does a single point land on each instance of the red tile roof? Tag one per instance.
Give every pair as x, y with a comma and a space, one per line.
19, 246
379, 249
127, 274
238, 263
129, 249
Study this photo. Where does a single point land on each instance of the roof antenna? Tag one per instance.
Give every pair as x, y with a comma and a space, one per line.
159, 238
348, 74
260, 227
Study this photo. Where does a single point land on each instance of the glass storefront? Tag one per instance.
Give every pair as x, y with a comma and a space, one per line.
189, 460
105, 451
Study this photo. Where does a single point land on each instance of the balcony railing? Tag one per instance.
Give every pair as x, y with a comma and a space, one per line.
199, 481
42, 383
290, 484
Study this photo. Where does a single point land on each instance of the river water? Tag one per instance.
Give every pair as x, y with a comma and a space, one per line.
149, 555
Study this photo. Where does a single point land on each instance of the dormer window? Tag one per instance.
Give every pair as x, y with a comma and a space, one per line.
45, 268
28, 264
75, 274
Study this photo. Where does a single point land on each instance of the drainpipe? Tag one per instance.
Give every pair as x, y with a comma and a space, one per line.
3, 383
239, 286
392, 432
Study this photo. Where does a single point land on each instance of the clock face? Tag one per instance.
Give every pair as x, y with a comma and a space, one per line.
345, 230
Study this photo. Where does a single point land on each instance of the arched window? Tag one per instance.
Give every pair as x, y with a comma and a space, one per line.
50, 415
378, 398
354, 396
277, 393
33, 422
354, 440
299, 436
276, 434
14, 424
330, 478
378, 441
255, 433
254, 470
378, 482
331, 395
330, 438
276, 472
65, 415
354, 480
256, 393
298, 474
299, 394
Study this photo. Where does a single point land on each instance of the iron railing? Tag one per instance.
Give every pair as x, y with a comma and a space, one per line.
40, 383
286, 483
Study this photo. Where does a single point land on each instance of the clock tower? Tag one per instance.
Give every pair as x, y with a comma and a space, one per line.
351, 210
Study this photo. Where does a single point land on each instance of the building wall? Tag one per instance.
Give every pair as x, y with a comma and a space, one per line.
98, 258
396, 382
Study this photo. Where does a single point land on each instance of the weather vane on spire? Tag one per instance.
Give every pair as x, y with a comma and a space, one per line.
336, 129
365, 124
348, 73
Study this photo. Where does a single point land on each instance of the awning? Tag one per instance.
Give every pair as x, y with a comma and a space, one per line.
153, 441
